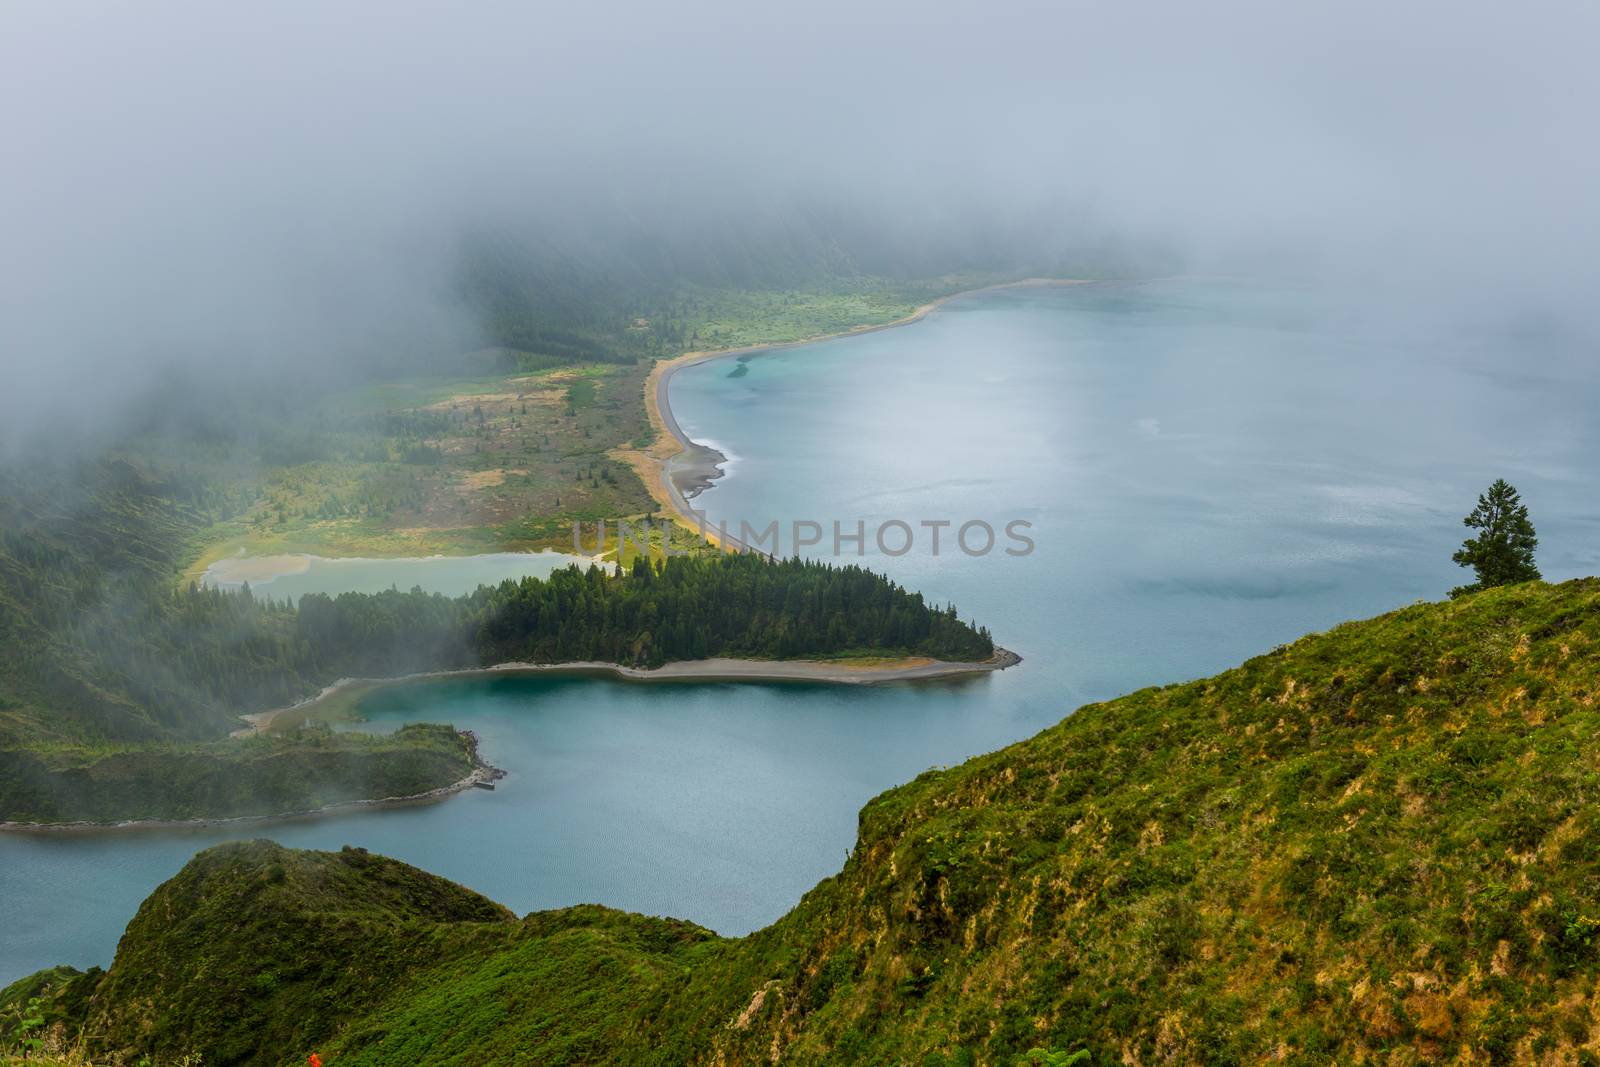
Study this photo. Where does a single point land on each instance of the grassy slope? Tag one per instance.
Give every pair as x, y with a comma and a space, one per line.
1374, 845
735, 318
250, 943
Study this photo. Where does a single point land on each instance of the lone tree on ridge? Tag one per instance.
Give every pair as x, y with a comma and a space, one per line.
1503, 553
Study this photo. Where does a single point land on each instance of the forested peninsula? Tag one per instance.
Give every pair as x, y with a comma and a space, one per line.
120, 686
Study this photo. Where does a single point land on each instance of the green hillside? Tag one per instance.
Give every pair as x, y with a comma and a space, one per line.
1375, 845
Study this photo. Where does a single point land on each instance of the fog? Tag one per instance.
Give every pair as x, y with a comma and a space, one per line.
284, 192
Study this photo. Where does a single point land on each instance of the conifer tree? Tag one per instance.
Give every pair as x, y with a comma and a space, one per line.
1502, 553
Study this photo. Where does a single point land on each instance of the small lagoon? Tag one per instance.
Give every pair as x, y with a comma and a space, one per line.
292, 576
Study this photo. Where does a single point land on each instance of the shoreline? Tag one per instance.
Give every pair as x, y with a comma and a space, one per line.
721, 669
676, 468
482, 773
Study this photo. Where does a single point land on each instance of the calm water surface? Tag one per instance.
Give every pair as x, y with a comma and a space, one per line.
292, 577
1210, 469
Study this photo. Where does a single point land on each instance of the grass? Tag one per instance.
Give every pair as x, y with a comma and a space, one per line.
737, 318
339, 706
1374, 845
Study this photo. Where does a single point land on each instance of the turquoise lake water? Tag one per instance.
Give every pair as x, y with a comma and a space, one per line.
450, 575
1210, 469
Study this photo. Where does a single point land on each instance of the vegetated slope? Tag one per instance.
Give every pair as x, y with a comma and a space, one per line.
112, 680
255, 954
305, 771
242, 951
81, 545
1376, 844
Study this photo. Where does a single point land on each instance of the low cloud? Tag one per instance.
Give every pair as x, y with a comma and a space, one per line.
255, 196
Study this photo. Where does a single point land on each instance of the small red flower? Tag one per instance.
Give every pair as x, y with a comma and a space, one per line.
313, 1060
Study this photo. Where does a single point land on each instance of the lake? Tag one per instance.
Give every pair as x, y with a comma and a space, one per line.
1209, 468
289, 577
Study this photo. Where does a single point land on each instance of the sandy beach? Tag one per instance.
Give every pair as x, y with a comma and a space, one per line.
232, 570
676, 468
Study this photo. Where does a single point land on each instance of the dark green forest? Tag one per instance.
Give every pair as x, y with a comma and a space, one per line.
241, 651
684, 608
236, 650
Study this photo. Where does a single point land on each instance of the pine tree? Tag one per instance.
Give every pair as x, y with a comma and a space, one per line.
1502, 554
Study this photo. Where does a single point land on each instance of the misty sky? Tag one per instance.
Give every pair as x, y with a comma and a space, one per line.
228, 186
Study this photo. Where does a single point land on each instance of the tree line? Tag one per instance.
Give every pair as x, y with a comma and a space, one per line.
98, 644
685, 608
217, 652
245, 651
